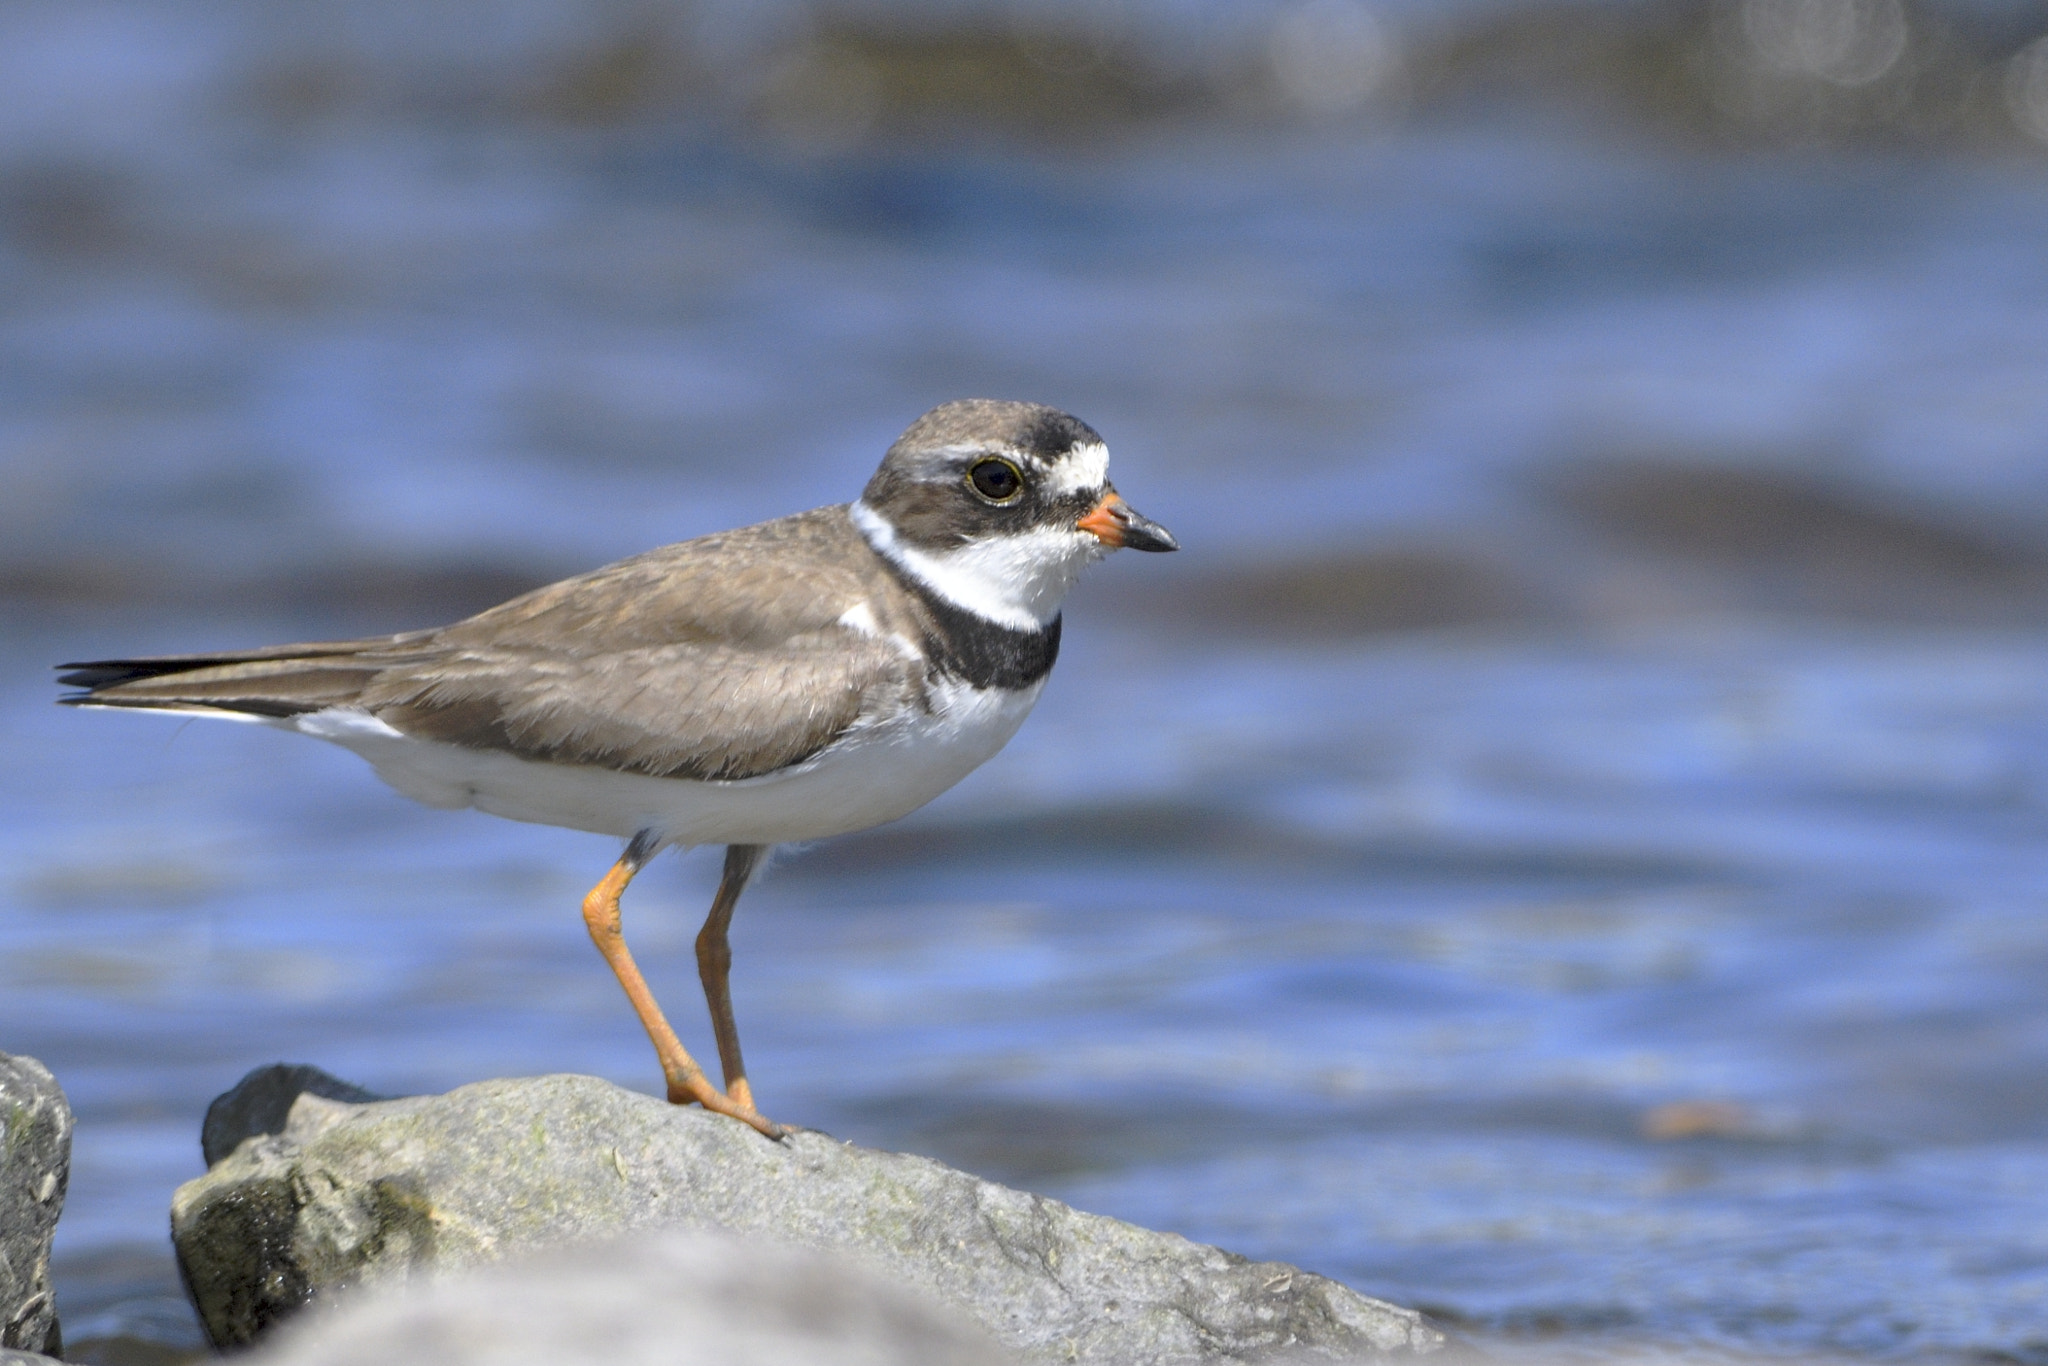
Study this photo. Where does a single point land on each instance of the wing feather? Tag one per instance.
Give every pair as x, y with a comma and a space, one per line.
723, 657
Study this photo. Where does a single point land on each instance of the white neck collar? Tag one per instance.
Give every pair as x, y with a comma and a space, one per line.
1016, 581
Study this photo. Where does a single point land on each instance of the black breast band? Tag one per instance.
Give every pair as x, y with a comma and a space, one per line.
979, 652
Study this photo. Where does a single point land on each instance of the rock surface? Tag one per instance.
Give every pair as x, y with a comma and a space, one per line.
10, 1357
35, 1163
261, 1102
399, 1190
649, 1299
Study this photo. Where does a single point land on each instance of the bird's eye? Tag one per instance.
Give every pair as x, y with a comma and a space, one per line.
996, 480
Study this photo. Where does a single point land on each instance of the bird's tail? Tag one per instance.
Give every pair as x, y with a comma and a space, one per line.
276, 682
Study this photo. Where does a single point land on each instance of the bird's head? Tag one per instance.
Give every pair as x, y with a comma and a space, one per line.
999, 506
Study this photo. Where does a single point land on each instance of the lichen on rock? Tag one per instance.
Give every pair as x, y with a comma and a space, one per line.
35, 1165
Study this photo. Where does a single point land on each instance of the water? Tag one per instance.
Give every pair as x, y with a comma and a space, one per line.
1642, 945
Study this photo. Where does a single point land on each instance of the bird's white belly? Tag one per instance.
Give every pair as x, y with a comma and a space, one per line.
882, 770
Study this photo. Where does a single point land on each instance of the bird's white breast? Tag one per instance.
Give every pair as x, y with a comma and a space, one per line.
883, 768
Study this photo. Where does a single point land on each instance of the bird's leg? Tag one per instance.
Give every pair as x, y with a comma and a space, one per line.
714, 963
686, 1080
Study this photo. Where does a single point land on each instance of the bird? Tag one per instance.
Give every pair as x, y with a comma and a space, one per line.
784, 682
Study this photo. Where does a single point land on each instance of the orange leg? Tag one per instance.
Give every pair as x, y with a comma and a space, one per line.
714, 965
686, 1080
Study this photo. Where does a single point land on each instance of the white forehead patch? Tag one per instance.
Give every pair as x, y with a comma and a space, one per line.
1083, 469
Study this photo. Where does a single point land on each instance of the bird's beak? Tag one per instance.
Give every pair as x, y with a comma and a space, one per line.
1112, 522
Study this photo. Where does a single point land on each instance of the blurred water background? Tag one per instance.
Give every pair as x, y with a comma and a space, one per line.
1563, 846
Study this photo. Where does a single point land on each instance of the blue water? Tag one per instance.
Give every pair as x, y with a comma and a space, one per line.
1656, 960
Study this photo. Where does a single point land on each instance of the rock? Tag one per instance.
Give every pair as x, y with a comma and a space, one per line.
649, 1299
35, 1163
260, 1102
10, 1357
396, 1191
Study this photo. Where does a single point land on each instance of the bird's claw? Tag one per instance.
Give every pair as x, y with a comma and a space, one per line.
719, 1103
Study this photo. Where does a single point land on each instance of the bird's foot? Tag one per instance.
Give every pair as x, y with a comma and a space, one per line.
699, 1091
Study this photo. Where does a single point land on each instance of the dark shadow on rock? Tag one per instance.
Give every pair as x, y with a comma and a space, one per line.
261, 1101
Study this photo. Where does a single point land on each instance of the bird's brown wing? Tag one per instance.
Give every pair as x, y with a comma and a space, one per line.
685, 710
723, 657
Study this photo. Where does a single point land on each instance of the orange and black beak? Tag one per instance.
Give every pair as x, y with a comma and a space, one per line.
1112, 522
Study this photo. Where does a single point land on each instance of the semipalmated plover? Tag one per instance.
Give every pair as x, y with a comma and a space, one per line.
789, 681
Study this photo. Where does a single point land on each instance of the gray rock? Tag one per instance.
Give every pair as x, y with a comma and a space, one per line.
397, 1191
663, 1298
260, 1102
35, 1164
10, 1357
